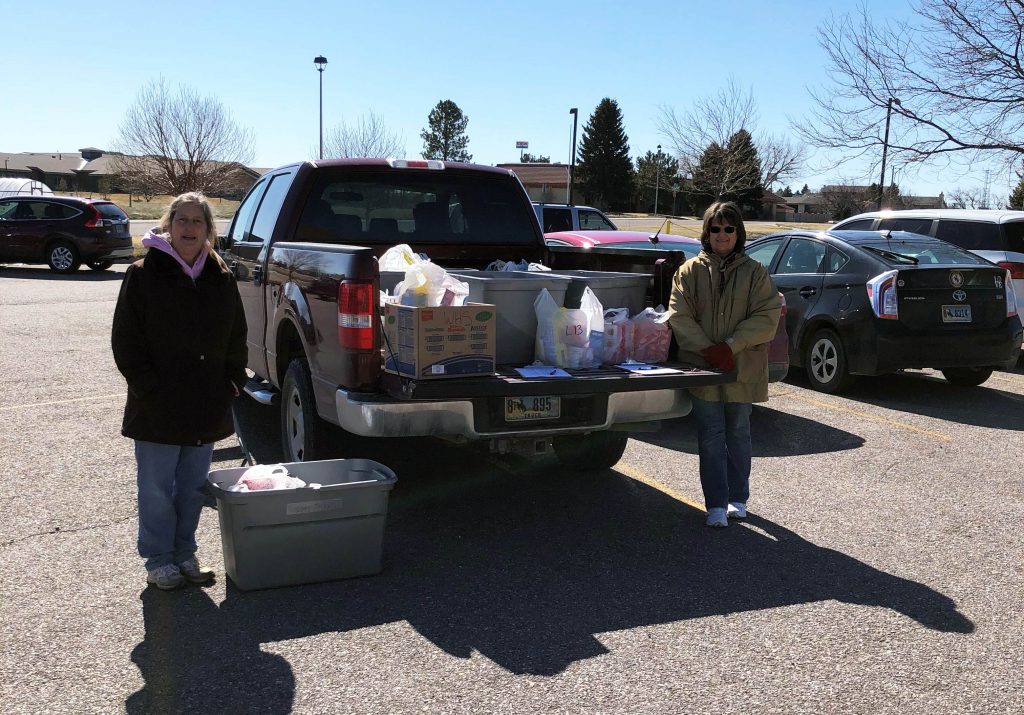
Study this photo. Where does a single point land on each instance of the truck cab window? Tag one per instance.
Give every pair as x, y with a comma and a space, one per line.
243, 216
270, 207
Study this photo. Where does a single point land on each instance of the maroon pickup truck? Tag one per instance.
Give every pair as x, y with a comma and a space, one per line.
304, 246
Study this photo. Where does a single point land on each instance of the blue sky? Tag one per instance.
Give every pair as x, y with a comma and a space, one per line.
514, 69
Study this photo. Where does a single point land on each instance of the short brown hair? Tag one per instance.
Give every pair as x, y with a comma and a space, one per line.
724, 212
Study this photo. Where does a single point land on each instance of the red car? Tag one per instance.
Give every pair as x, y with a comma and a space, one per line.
778, 349
623, 239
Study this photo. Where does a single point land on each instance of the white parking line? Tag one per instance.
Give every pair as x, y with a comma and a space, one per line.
60, 402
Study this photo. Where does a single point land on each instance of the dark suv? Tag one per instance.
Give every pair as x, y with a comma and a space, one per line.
64, 232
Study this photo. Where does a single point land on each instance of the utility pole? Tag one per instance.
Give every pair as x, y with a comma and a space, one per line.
885, 148
572, 163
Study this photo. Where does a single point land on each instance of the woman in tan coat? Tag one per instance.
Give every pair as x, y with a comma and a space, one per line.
725, 310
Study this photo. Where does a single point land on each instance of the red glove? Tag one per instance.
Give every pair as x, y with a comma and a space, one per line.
719, 356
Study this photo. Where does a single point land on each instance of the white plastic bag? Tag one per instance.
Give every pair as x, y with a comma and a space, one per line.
651, 335
398, 258
264, 477
427, 284
618, 336
569, 337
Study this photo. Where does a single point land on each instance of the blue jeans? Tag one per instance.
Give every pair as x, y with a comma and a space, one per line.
170, 481
723, 442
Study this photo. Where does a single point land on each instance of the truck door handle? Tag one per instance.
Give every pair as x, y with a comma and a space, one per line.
257, 275
807, 291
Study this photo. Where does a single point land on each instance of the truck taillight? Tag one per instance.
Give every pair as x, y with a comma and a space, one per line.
416, 164
1015, 268
356, 326
882, 295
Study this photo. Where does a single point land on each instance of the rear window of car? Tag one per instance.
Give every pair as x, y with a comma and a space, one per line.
1014, 234
972, 235
925, 252
111, 211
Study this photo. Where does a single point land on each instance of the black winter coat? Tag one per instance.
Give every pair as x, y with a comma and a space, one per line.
179, 344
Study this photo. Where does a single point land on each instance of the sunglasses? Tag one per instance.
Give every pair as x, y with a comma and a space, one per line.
727, 229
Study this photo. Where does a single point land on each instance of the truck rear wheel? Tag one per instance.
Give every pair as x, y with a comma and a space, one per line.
303, 433
590, 452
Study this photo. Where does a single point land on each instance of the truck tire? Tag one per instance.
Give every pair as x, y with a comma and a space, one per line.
303, 433
592, 452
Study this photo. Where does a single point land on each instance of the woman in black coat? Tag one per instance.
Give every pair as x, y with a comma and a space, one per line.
179, 340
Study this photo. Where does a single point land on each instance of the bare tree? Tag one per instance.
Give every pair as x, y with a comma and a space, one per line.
956, 71
974, 199
173, 142
714, 120
369, 137
844, 200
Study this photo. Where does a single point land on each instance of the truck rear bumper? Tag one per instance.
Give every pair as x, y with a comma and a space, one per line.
371, 417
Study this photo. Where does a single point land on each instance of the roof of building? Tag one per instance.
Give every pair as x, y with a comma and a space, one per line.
540, 174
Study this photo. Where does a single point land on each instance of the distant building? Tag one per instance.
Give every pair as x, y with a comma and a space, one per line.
91, 170
543, 182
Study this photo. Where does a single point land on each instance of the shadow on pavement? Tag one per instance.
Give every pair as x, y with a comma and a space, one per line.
84, 273
527, 569
931, 396
773, 434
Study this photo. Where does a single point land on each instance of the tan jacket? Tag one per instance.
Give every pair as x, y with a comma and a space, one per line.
739, 305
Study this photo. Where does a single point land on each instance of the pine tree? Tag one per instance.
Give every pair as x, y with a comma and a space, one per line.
744, 182
1016, 200
605, 171
703, 189
786, 192
805, 190
655, 169
445, 135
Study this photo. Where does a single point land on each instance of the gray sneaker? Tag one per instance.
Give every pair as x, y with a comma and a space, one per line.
166, 577
717, 518
737, 510
194, 573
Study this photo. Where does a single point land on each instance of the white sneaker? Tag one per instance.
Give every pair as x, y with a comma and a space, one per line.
717, 518
737, 510
166, 577
194, 573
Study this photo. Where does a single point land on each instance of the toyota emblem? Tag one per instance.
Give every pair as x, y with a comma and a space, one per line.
956, 279
960, 295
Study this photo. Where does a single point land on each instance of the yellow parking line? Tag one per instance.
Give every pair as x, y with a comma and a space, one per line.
865, 415
59, 402
652, 482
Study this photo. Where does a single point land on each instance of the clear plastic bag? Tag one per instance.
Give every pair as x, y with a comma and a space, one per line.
398, 258
427, 284
264, 477
651, 335
618, 336
569, 337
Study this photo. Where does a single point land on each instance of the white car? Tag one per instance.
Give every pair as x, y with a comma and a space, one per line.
995, 235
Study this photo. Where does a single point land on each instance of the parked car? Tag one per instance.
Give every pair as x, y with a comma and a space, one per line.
623, 239
64, 232
631, 252
566, 217
864, 303
995, 235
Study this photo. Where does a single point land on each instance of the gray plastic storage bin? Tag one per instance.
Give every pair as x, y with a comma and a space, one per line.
614, 290
512, 293
285, 537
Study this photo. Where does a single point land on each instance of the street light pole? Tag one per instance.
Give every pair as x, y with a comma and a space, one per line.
885, 148
320, 61
657, 179
572, 163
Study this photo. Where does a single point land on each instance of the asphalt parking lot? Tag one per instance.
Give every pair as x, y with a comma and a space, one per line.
880, 572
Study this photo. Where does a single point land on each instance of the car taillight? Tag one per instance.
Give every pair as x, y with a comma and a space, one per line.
1011, 295
95, 220
355, 316
1016, 269
882, 295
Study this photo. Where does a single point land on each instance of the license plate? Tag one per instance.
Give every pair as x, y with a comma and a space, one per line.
956, 314
518, 409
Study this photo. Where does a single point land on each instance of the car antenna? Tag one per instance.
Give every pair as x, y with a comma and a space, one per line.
653, 238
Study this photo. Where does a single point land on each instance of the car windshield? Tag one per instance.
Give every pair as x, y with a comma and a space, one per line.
922, 252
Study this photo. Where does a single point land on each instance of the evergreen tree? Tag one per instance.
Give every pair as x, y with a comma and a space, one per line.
805, 190
1016, 200
703, 188
744, 182
605, 171
655, 169
786, 192
445, 135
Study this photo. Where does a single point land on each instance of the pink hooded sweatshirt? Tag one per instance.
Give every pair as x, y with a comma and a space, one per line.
159, 241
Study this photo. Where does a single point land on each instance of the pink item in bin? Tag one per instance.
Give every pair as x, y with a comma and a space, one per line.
263, 477
651, 335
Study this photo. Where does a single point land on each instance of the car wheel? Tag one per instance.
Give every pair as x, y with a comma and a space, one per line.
825, 361
99, 265
592, 452
303, 435
62, 257
967, 376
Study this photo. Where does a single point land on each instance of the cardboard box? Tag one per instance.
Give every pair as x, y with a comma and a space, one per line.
447, 341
